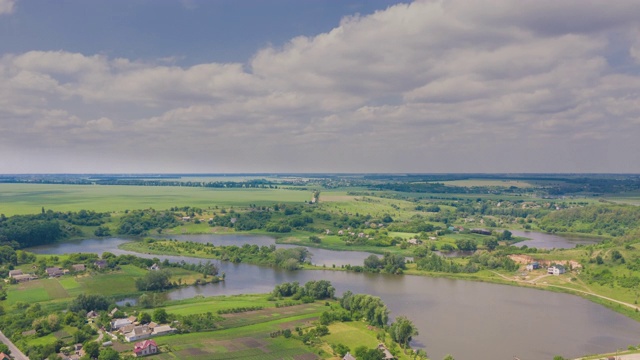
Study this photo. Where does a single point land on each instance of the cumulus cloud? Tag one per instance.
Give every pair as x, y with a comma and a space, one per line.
426, 86
7, 6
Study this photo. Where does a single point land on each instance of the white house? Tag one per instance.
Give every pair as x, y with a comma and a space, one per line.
556, 270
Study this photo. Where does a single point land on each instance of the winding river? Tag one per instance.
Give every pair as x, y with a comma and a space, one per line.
470, 320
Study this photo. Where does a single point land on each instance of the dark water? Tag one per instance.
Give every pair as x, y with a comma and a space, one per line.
549, 241
470, 320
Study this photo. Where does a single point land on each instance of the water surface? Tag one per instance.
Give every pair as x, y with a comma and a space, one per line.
549, 241
470, 320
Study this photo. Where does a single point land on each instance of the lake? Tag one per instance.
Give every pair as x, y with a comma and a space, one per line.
549, 241
470, 320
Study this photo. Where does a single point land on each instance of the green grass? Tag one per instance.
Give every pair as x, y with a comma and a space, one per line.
29, 292
54, 289
30, 198
203, 305
247, 339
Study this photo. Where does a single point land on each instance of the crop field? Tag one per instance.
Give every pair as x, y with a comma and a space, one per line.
203, 305
246, 336
69, 286
30, 198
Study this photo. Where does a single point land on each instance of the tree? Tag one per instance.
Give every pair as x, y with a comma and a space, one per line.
160, 316
154, 280
109, 354
144, 318
449, 357
91, 348
491, 244
340, 349
402, 330
5, 349
373, 262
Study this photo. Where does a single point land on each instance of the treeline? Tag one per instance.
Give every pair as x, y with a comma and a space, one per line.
20, 231
429, 261
287, 258
139, 222
613, 220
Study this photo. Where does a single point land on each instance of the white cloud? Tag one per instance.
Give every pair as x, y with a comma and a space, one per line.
426, 86
7, 6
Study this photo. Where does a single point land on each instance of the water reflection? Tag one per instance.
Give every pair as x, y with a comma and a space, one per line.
470, 320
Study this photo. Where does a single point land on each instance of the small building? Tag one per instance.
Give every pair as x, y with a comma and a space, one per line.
556, 270
119, 323
138, 333
413, 241
14, 273
113, 311
147, 347
340, 232
387, 354
4, 356
163, 330
154, 267
100, 264
25, 277
78, 267
107, 343
54, 271
186, 218
92, 315
533, 266
348, 356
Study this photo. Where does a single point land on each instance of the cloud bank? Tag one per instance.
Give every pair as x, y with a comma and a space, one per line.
430, 86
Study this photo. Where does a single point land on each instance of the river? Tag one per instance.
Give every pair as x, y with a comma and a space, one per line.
470, 320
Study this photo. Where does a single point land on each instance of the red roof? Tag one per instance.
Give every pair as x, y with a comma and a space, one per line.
143, 345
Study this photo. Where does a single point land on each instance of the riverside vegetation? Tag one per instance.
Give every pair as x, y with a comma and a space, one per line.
421, 218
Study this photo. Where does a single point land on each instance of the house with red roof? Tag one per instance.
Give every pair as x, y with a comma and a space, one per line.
144, 348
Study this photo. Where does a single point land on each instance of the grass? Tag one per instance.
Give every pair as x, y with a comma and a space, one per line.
30, 198
203, 305
245, 335
28, 292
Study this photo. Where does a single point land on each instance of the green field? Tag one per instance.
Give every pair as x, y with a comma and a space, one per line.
30, 198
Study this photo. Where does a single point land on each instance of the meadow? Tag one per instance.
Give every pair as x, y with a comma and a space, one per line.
31, 198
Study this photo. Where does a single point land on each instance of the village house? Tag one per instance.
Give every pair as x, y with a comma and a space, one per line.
533, 266
4, 356
119, 323
78, 267
386, 352
54, 271
348, 356
145, 348
14, 273
113, 311
92, 315
556, 270
154, 267
162, 330
100, 264
340, 232
138, 333
25, 277
413, 241
186, 218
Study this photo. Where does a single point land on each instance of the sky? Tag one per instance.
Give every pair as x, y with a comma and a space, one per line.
224, 86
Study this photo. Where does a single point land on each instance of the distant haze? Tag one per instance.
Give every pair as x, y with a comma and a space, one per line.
319, 86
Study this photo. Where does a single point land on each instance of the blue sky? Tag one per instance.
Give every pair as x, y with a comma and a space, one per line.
190, 31
319, 86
